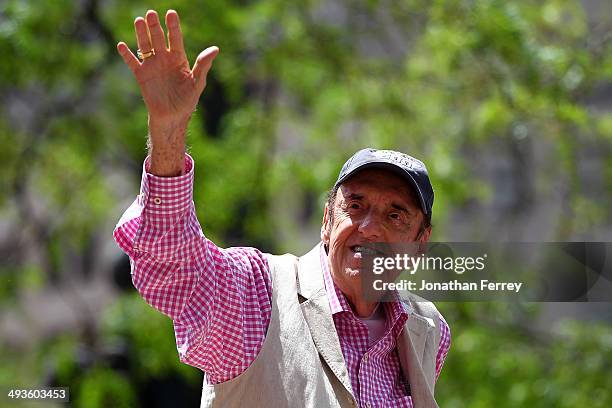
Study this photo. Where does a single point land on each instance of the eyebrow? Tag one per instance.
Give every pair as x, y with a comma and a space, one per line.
355, 196
400, 208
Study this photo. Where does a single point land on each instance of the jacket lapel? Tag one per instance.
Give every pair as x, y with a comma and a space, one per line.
315, 307
416, 329
410, 349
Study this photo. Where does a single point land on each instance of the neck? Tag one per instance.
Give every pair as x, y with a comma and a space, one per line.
362, 308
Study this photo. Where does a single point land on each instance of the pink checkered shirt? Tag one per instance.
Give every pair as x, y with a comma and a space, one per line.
219, 299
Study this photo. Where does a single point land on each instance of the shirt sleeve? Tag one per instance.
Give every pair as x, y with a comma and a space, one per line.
444, 346
219, 299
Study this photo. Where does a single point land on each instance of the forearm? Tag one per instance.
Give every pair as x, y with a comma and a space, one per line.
160, 233
219, 299
167, 145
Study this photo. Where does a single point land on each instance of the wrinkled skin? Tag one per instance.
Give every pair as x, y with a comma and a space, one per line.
374, 205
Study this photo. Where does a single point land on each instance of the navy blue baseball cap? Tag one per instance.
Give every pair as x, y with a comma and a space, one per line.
407, 167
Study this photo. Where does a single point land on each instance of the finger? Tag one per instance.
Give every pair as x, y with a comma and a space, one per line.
158, 40
129, 58
203, 64
175, 37
142, 35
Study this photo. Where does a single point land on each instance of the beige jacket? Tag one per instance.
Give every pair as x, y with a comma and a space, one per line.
301, 363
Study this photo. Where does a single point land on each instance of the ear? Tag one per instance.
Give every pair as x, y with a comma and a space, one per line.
325, 226
422, 240
425, 235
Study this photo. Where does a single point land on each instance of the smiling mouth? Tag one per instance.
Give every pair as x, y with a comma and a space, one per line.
366, 251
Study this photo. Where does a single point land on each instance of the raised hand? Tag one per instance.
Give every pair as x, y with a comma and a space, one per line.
169, 86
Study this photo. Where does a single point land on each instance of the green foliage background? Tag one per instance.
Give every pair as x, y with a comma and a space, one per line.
297, 88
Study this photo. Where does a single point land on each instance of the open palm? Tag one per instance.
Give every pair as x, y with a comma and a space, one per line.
169, 86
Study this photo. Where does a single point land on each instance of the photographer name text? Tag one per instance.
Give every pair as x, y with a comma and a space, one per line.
453, 285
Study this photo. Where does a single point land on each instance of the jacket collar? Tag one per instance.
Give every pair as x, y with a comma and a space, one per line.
310, 274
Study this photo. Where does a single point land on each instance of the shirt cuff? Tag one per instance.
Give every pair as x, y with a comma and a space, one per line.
166, 195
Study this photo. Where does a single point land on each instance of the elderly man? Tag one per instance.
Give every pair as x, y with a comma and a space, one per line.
277, 331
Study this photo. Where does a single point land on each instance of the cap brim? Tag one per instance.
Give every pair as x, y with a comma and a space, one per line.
393, 168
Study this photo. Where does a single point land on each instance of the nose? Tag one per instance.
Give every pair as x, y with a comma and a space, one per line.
371, 227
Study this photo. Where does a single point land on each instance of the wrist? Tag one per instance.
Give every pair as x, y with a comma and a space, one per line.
167, 145
168, 126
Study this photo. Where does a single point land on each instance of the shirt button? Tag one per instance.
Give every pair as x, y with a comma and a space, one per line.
368, 405
157, 200
365, 358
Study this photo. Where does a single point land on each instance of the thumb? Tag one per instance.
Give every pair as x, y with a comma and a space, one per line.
203, 64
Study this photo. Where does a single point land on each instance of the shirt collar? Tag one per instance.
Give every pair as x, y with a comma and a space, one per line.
337, 300
396, 311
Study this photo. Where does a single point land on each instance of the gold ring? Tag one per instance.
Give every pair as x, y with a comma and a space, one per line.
144, 55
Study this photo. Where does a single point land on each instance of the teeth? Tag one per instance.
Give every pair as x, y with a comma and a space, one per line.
365, 250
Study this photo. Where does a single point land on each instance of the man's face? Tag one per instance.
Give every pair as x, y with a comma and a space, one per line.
372, 206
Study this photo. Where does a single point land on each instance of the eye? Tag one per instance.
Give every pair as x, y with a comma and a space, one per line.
396, 217
353, 207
